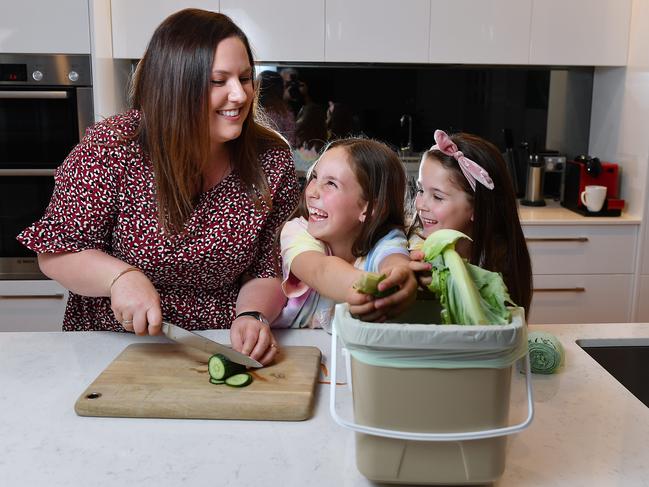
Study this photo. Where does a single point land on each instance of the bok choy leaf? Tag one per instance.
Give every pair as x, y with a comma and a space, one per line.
469, 295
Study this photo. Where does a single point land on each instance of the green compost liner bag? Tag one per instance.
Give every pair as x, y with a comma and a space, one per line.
546, 352
408, 345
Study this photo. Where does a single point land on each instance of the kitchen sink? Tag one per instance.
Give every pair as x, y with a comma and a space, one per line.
626, 359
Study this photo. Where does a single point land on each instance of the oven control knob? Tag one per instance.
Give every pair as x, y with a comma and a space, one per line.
37, 75
73, 76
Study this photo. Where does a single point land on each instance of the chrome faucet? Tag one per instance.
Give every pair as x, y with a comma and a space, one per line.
407, 150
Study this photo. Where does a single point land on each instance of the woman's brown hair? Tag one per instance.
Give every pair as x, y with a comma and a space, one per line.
170, 89
382, 179
498, 240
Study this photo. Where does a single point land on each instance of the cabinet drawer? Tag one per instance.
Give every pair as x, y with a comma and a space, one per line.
642, 314
31, 305
596, 249
581, 299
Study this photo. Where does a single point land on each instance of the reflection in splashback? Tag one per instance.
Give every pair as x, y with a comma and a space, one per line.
547, 108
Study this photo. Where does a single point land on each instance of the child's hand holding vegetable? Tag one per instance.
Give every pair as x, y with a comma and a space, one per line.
377, 297
420, 268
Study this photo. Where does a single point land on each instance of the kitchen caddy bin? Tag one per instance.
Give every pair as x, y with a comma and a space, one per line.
431, 402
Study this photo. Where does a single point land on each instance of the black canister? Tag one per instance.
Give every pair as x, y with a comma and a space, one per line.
534, 187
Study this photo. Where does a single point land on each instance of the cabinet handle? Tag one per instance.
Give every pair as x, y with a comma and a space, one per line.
560, 290
557, 239
32, 296
33, 95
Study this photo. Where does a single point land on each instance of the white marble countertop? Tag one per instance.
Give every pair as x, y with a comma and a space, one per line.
555, 214
588, 429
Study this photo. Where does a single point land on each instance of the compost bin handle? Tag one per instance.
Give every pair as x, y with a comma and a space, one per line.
412, 435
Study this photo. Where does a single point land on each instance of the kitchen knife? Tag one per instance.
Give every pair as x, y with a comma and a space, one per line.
185, 337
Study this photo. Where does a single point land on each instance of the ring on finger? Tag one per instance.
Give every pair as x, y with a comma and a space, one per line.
127, 322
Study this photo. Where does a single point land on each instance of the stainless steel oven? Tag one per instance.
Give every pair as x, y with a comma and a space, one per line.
45, 107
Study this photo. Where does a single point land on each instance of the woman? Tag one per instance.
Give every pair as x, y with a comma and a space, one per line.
170, 210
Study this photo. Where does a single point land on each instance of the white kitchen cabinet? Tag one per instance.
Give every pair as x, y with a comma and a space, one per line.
642, 293
480, 32
45, 27
642, 313
32, 305
281, 30
377, 31
575, 298
644, 257
582, 273
582, 249
580, 32
134, 22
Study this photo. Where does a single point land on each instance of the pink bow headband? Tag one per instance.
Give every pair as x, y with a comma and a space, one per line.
472, 171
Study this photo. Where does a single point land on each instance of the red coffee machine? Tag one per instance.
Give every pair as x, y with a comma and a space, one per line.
585, 171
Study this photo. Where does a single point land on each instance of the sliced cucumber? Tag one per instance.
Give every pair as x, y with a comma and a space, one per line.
221, 368
216, 381
239, 380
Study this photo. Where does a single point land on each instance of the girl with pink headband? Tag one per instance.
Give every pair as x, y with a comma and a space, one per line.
463, 184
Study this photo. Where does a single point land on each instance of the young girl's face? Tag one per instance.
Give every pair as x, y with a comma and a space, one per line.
440, 202
335, 201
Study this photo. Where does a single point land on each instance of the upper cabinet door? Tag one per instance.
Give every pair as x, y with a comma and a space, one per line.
134, 22
44, 26
580, 32
480, 31
377, 31
281, 30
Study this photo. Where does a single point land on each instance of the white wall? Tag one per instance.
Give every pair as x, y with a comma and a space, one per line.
109, 76
620, 132
619, 129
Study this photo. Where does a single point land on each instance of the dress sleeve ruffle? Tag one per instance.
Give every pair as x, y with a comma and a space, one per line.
82, 210
295, 239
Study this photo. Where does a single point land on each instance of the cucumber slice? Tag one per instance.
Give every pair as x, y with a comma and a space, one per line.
239, 380
216, 381
220, 368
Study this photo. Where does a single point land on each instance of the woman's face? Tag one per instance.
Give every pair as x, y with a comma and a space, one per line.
335, 201
440, 202
231, 90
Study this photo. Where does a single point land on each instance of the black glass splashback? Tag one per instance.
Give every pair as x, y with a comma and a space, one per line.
481, 100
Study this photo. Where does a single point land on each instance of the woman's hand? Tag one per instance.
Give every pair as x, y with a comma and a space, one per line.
420, 268
250, 336
368, 308
136, 304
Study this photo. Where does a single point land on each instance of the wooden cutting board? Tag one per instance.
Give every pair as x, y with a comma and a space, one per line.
160, 380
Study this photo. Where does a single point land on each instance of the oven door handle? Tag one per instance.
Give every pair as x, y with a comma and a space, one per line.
27, 172
33, 95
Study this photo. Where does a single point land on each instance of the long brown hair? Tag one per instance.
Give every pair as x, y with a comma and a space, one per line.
382, 179
498, 240
170, 89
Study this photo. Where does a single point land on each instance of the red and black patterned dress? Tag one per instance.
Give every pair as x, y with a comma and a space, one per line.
104, 198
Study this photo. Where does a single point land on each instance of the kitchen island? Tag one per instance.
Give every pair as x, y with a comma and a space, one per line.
588, 429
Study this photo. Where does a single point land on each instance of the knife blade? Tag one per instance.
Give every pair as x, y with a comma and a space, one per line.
186, 337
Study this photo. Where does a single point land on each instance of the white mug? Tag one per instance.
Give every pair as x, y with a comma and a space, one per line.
593, 197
